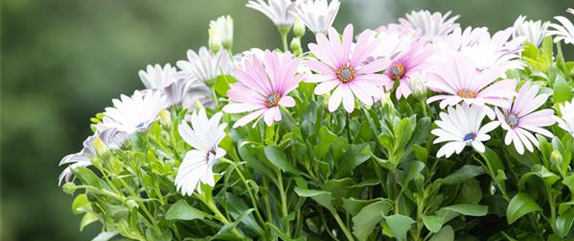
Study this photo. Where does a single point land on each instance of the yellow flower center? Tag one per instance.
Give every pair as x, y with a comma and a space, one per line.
346, 74
272, 100
466, 93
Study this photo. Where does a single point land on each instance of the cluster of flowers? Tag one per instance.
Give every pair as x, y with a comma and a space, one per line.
424, 55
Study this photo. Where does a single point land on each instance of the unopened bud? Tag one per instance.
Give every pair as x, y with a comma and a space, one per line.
298, 28
418, 86
69, 188
131, 204
556, 158
296, 46
214, 39
165, 119
100, 146
386, 100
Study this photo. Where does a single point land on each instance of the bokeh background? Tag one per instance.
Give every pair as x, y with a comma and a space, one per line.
62, 61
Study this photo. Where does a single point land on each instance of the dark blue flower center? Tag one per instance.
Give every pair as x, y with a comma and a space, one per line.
512, 120
469, 137
345, 74
140, 125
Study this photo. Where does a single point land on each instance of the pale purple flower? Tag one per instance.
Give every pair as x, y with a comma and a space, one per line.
262, 87
341, 68
457, 77
135, 113
521, 121
564, 32
499, 50
433, 25
317, 15
204, 136
205, 65
462, 126
279, 11
533, 31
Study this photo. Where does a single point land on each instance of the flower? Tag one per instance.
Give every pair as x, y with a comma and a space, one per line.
223, 29
111, 138
417, 84
279, 11
459, 39
204, 136
498, 50
262, 87
461, 127
317, 15
135, 113
204, 66
342, 68
433, 25
533, 31
157, 77
565, 31
520, 120
566, 122
415, 61
458, 77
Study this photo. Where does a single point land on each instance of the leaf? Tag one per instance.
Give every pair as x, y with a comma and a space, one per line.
324, 198
87, 220
246, 152
468, 209
414, 170
540, 171
222, 84
355, 156
445, 234
403, 133
183, 211
520, 205
369, 217
564, 222
105, 236
354, 206
81, 204
421, 153
399, 225
87, 176
227, 228
463, 174
432, 222
562, 91
421, 132
236, 206
277, 157
326, 138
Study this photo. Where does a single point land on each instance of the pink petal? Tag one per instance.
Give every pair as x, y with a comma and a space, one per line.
248, 118
348, 99
241, 107
336, 99
325, 87
287, 101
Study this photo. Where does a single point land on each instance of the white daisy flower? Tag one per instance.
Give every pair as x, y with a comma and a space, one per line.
433, 25
204, 136
498, 50
135, 113
317, 15
157, 77
204, 66
279, 11
461, 127
566, 122
533, 31
224, 28
565, 31
112, 138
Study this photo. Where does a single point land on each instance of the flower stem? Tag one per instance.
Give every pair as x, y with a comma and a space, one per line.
283, 31
211, 205
348, 115
342, 225
284, 204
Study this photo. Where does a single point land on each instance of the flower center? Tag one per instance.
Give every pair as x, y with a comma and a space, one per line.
469, 137
210, 155
346, 74
466, 93
140, 125
396, 71
272, 100
512, 120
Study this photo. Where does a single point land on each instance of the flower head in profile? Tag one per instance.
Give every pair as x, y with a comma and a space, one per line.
222, 27
262, 87
459, 40
520, 121
564, 32
158, 77
498, 50
341, 68
204, 136
317, 15
461, 126
415, 61
533, 31
566, 122
459, 80
433, 25
279, 11
205, 66
111, 138
135, 113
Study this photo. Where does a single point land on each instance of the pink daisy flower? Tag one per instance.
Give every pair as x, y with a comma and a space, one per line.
521, 122
459, 79
340, 68
263, 86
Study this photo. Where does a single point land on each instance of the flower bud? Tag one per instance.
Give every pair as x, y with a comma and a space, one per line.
386, 100
131, 204
299, 28
69, 188
418, 86
224, 27
165, 119
556, 158
214, 39
100, 146
296, 46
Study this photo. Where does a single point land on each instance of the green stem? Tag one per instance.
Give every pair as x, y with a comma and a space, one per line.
552, 203
215, 100
284, 39
211, 205
343, 226
348, 115
284, 207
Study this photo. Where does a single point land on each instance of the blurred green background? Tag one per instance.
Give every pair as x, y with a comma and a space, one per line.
62, 61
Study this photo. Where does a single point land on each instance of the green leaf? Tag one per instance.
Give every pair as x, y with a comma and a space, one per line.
369, 217
399, 225
222, 84
432, 222
277, 157
445, 234
354, 206
564, 222
183, 211
355, 156
540, 171
87, 176
248, 154
81, 204
236, 206
403, 133
324, 198
88, 219
520, 205
421, 153
326, 138
463, 174
468, 209
562, 91
105, 236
